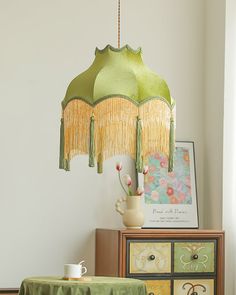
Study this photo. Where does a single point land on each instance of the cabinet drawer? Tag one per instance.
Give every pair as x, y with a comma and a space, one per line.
149, 257
194, 257
160, 287
196, 287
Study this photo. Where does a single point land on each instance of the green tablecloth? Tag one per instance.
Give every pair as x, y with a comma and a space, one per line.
97, 286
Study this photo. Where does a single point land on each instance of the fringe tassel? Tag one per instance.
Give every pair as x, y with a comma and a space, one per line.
100, 164
156, 127
115, 128
91, 143
171, 145
139, 161
61, 159
117, 131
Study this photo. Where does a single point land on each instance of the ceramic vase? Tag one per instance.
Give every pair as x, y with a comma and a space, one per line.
132, 214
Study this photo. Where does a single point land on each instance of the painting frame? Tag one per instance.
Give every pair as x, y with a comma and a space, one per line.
172, 215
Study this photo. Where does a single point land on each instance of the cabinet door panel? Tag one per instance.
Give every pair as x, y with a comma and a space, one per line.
150, 257
194, 257
196, 287
158, 287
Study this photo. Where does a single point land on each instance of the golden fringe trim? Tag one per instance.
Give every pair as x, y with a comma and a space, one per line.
76, 128
115, 127
155, 116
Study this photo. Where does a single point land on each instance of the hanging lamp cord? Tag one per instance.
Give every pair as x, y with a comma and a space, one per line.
118, 23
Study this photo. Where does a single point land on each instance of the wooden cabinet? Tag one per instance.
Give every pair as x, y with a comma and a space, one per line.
9, 291
172, 262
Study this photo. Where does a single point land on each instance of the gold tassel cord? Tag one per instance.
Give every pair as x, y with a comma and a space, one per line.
118, 33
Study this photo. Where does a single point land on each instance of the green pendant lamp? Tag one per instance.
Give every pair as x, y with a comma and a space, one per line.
118, 106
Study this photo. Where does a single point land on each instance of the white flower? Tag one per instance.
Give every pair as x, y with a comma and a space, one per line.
127, 179
145, 169
140, 191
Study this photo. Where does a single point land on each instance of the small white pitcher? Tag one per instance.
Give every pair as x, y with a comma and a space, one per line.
132, 215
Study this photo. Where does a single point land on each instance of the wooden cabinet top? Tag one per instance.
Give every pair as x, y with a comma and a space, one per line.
165, 232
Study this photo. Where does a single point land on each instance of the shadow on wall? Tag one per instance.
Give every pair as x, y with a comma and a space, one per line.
88, 252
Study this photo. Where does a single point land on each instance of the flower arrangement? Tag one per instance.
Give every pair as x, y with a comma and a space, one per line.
128, 181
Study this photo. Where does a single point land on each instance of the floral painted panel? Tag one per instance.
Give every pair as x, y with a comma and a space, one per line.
194, 257
158, 287
162, 187
142, 262
198, 287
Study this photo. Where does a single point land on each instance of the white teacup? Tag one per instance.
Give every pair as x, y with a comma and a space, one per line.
74, 270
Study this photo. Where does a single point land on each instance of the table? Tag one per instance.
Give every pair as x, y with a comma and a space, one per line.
96, 286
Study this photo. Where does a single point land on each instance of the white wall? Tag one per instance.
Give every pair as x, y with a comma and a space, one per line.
213, 109
48, 216
229, 170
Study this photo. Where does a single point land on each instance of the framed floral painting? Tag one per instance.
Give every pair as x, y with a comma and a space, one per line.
170, 198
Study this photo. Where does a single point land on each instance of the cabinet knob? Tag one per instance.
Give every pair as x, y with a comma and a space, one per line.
194, 257
152, 257
194, 293
151, 293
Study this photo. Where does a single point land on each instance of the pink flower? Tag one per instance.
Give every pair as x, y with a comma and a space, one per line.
155, 195
140, 191
170, 191
188, 181
186, 157
182, 197
152, 168
171, 174
147, 188
119, 166
151, 178
174, 200
163, 163
163, 182
145, 169
157, 156
127, 179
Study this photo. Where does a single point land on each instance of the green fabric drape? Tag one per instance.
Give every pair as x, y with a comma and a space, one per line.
171, 145
61, 160
97, 286
100, 164
91, 143
139, 161
117, 71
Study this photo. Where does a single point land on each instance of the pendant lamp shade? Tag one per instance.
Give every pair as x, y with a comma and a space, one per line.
118, 106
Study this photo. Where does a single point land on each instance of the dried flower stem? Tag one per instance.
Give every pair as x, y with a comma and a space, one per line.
127, 193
